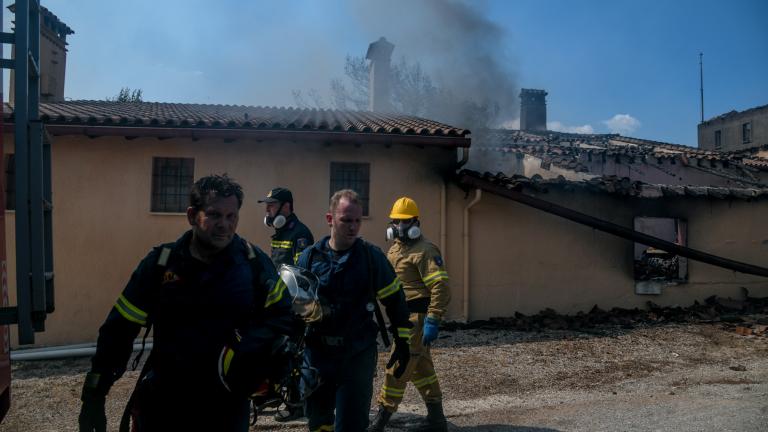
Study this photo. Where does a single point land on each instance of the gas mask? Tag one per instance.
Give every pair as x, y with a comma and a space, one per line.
277, 221
403, 231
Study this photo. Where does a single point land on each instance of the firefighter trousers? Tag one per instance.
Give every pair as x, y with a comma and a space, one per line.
342, 401
420, 371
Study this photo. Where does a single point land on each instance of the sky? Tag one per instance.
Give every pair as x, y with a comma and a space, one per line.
621, 66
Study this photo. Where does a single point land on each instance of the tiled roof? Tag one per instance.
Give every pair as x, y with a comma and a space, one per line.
569, 150
759, 163
179, 115
618, 186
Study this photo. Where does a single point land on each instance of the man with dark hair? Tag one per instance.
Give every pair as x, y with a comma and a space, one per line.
291, 237
341, 340
218, 311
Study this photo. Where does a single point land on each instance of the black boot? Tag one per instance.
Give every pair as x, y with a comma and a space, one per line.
435, 419
380, 420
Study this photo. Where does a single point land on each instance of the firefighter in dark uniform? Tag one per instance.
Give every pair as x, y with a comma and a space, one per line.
291, 237
341, 341
217, 310
420, 267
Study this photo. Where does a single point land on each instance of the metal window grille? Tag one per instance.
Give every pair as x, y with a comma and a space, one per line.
171, 180
10, 182
355, 176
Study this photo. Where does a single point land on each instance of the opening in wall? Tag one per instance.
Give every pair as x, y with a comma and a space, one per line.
352, 175
171, 180
655, 268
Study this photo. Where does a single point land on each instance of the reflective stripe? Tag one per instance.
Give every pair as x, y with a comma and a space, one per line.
389, 289
425, 381
228, 360
251, 252
130, 312
278, 244
323, 428
296, 258
393, 392
163, 259
404, 333
434, 277
276, 294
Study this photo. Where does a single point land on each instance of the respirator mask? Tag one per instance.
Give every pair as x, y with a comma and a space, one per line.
403, 230
277, 221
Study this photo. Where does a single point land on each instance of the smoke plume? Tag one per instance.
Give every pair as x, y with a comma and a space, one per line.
457, 45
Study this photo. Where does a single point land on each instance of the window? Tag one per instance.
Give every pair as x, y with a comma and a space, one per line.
718, 140
746, 133
355, 176
171, 180
10, 182
654, 267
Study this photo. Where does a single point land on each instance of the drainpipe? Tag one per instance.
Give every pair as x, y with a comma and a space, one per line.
443, 215
464, 158
478, 195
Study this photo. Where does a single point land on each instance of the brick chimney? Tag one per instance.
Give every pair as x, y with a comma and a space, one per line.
380, 55
533, 110
53, 57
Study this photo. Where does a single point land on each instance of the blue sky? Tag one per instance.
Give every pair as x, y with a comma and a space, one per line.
609, 66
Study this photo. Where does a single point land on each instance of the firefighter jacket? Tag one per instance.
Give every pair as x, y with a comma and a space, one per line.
289, 241
421, 270
345, 285
194, 309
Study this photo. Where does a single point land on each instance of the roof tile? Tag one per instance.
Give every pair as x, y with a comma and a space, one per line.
156, 114
618, 186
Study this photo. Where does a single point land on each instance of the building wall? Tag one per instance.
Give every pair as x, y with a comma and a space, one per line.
730, 126
524, 260
102, 224
53, 61
53, 64
520, 259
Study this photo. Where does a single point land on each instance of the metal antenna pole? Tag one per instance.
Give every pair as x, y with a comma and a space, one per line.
701, 84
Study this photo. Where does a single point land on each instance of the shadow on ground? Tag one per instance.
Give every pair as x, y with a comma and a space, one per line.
408, 422
501, 428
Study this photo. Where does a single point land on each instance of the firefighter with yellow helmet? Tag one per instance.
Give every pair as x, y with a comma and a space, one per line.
420, 267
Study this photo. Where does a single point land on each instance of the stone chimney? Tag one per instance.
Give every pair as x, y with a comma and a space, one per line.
53, 57
533, 110
380, 55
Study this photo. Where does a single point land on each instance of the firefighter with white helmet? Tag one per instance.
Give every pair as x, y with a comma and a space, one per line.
420, 267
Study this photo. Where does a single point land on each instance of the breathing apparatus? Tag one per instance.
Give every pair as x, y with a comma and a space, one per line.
405, 222
277, 221
403, 230
302, 287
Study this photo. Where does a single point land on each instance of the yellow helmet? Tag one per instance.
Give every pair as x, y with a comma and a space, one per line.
404, 208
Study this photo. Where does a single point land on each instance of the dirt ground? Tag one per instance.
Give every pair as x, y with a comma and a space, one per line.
681, 377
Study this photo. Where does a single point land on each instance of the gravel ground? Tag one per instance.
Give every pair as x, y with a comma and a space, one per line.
692, 377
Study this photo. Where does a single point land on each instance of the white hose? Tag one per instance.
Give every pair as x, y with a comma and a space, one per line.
66, 351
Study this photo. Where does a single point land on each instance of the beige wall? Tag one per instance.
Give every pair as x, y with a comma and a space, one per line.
730, 127
520, 259
525, 260
102, 224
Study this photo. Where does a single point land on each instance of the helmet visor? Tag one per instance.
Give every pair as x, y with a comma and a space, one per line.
301, 284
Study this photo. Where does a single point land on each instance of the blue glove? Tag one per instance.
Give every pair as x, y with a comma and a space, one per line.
431, 326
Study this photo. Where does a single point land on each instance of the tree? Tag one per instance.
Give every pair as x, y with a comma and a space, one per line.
412, 92
127, 95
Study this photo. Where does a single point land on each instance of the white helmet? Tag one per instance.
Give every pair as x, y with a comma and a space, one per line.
302, 286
